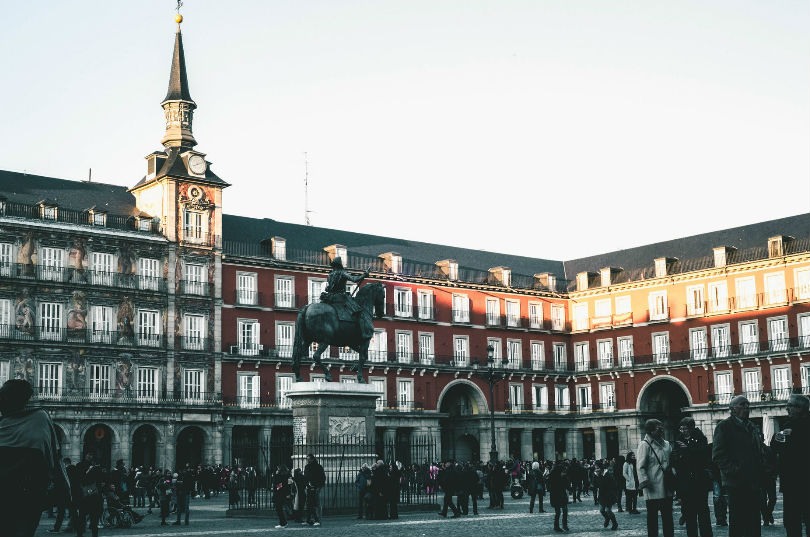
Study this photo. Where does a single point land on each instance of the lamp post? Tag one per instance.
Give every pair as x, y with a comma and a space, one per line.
492, 375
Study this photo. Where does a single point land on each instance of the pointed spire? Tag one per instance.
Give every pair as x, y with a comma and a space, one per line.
178, 106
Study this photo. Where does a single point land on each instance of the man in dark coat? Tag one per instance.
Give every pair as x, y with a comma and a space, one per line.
791, 446
448, 481
737, 450
692, 459
316, 479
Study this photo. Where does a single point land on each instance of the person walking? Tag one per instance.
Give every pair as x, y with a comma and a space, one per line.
653, 461
558, 486
631, 489
281, 494
447, 480
316, 479
91, 502
692, 462
362, 483
183, 487
737, 450
535, 487
618, 466
165, 490
791, 446
605, 480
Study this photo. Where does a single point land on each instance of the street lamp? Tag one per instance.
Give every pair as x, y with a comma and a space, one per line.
492, 376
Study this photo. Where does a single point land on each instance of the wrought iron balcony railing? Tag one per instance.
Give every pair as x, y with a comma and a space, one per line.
24, 332
57, 393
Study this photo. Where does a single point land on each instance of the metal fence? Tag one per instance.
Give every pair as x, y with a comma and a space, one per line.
341, 457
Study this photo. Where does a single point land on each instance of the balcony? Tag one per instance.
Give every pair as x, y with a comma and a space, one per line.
777, 396
60, 274
493, 320
196, 288
287, 301
245, 297
81, 218
461, 316
124, 397
192, 343
658, 316
426, 313
192, 237
72, 335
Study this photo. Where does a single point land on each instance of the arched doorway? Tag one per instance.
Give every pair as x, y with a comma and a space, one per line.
465, 406
190, 443
663, 398
144, 446
98, 440
245, 447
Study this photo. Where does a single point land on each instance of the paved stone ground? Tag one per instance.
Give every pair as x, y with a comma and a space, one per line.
208, 518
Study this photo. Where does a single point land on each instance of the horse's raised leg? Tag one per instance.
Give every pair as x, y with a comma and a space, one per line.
317, 358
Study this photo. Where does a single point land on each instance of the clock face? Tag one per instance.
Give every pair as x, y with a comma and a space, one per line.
196, 164
195, 192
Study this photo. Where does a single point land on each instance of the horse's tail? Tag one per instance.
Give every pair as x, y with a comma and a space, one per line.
299, 344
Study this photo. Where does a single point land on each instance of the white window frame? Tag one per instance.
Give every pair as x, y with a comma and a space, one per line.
461, 351
193, 225
721, 340
194, 385
659, 308
749, 337
557, 317
775, 288
5, 371
540, 398
285, 337
582, 356
752, 384
626, 354
315, 286
718, 297
378, 346
778, 339
103, 268
102, 323
404, 346
746, 291
802, 285
512, 313
604, 353
560, 356
284, 382
660, 347
381, 386
403, 302
6, 258
50, 380
698, 343
607, 396
538, 355
803, 321
514, 353
461, 308
516, 399
194, 331
148, 329
51, 315
584, 401
194, 276
52, 261
695, 300
781, 385
249, 389
147, 384
427, 354
535, 315
405, 397
425, 304
581, 316
100, 379
148, 274
284, 288
562, 398
493, 306
723, 386
247, 288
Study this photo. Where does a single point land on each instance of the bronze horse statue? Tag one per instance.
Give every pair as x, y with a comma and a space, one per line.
319, 323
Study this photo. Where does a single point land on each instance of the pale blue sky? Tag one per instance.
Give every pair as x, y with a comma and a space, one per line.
548, 128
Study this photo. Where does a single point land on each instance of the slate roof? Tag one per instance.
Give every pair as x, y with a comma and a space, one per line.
178, 80
175, 167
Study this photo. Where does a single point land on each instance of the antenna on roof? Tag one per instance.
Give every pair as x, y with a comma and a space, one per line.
306, 190
90, 175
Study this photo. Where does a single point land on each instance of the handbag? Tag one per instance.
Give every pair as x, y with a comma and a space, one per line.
88, 491
670, 480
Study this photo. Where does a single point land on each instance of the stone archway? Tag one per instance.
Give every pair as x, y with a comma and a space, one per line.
465, 406
144, 446
663, 398
98, 440
190, 447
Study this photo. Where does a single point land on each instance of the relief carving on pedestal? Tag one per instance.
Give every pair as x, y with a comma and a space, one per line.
347, 426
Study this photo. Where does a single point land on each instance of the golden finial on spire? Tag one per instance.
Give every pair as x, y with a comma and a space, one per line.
179, 18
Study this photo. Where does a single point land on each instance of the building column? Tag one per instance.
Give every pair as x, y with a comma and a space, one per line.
573, 447
526, 451
216, 439
599, 441
125, 442
76, 442
502, 440
169, 446
227, 439
549, 447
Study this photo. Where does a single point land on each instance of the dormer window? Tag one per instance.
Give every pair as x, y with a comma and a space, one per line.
392, 262
48, 212
98, 218
501, 276
721, 254
144, 224
338, 250
449, 267
279, 248
3, 203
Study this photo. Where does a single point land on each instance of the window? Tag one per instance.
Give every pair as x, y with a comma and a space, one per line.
582, 359
148, 274
495, 343
581, 317
625, 350
660, 344
5, 317
512, 313
194, 332
4, 371
584, 397
535, 315
52, 264
658, 306
562, 398
516, 397
721, 341
50, 321
48, 212
248, 390
601, 308
775, 288
148, 328
461, 309
557, 317
623, 305
604, 351
539, 397
514, 353
103, 268
284, 297
279, 246
723, 388
607, 397
246, 288
426, 353
102, 321
146, 384
749, 337
718, 297
195, 283
192, 225
493, 312
285, 336
537, 355
404, 347
752, 385
193, 386
804, 371
283, 385
145, 224
99, 381
402, 302
50, 380
380, 386
746, 293
778, 334
560, 358
803, 283
804, 331
780, 383
698, 344
316, 287
695, 301
247, 334
425, 299
461, 350
5, 259
98, 219
405, 394
378, 346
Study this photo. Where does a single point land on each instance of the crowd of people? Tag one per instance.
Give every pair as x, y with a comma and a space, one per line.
739, 467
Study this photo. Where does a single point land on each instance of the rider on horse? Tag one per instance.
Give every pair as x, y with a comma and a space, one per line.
346, 306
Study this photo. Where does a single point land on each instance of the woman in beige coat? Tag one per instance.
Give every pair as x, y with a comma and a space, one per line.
653, 459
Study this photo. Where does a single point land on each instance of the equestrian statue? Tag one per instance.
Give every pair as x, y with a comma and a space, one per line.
338, 319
